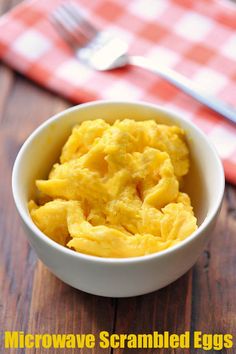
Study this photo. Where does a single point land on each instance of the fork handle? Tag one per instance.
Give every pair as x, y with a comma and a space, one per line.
185, 85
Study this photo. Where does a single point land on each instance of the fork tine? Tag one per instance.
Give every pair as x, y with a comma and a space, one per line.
61, 29
74, 12
68, 28
78, 26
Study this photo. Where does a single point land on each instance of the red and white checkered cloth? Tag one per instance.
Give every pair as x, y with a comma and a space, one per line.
196, 38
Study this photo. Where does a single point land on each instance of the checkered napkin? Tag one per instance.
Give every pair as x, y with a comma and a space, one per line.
195, 38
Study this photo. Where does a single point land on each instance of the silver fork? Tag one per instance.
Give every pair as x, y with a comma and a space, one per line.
102, 50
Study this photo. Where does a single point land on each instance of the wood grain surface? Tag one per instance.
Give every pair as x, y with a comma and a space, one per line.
34, 301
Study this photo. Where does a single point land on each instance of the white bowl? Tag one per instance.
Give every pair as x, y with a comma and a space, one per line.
111, 276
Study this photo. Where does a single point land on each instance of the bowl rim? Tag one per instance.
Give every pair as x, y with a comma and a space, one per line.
139, 259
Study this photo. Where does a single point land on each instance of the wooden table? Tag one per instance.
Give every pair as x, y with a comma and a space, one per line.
34, 301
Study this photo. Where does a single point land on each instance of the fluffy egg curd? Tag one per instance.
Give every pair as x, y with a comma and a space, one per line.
116, 190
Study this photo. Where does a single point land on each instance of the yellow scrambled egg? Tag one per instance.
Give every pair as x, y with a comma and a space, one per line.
116, 190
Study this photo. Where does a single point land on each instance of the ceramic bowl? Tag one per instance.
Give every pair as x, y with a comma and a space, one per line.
111, 276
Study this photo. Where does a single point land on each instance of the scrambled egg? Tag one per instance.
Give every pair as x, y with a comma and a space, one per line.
116, 190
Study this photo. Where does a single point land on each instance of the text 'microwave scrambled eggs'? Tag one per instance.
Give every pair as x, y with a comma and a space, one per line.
116, 190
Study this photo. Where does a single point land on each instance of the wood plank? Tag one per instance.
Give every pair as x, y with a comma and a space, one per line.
17, 260
59, 308
168, 309
6, 83
214, 285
